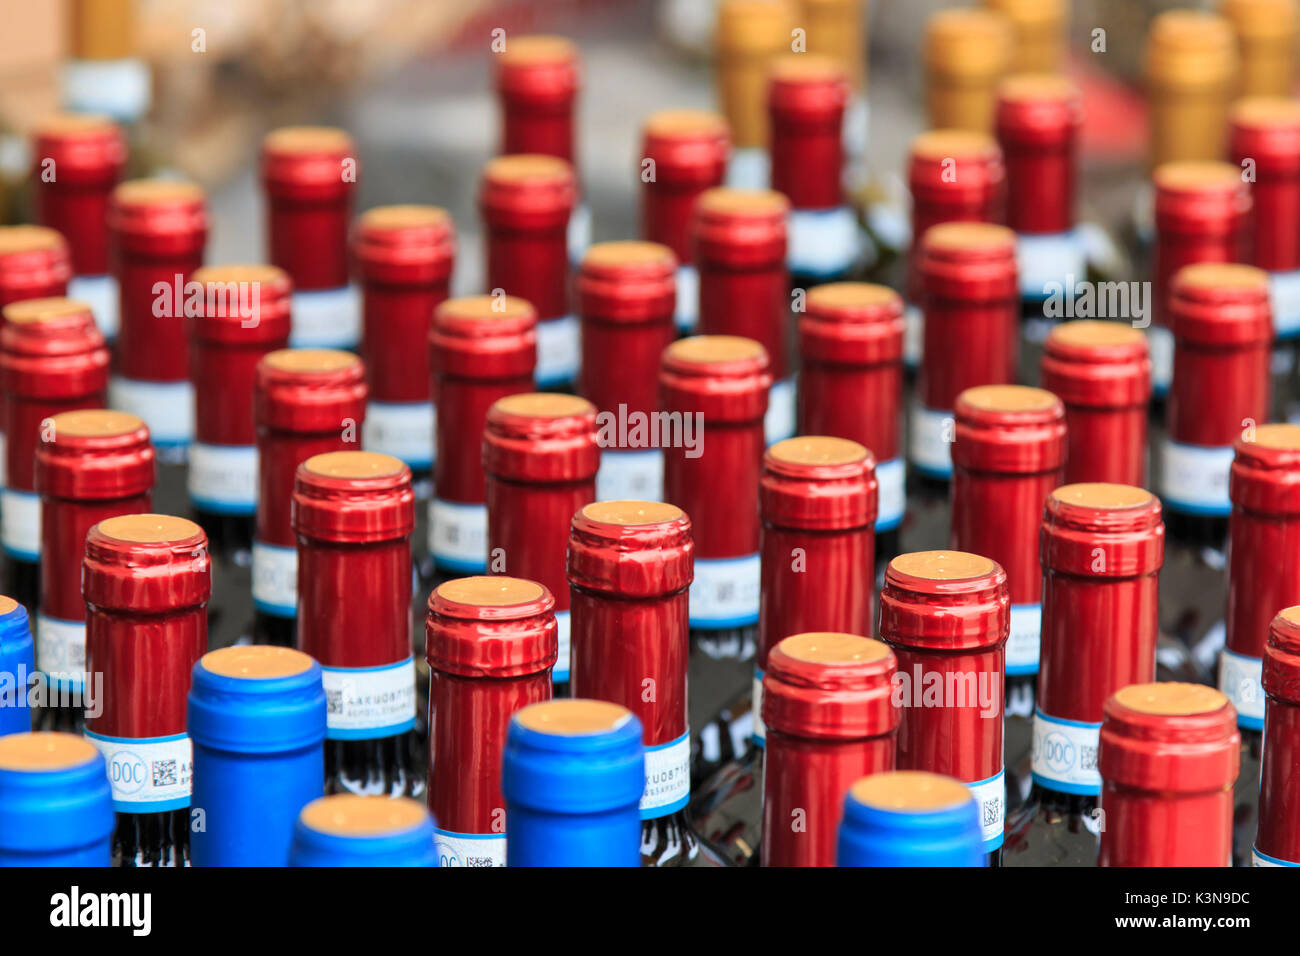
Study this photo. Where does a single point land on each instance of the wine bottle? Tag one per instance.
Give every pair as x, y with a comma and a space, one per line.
105, 71
77, 161
684, 152
345, 829
256, 717
482, 348
967, 51
56, 806
1102, 373
540, 457
817, 498
1263, 578
1008, 454
305, 402
309, 176
17, 668
968, 272
946, 615
717, 387
740, 250
572, 773
1191, 68
630, 567
146, 580
625, 298
52, 359
1102, 547
1039, 29
1278, 841
1168, 759
837, 29
491, 643
815, 750
851, 386
910, 818
748, 36
806, 99
353, 513
91, 465
1266, 36
525, 202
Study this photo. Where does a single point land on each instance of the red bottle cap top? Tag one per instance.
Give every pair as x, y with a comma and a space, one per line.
689, 147
1281, 677
406, 245
627, 281
852, 323
972, 261
242, 305
159, 216
830, 686
93, 454
540, 70
631, 549
741, 228
31, 257
353, 497
808, 90
1266, 129
1097, 364
491, 627
307, 163
86, 150
945, 601
1038, 111
146, 564
1170, 738
51, 349
309, 390
1221, 303
1265, 475
1009, 429
817, 483
541, 437
1122, 520
1200, 197
725, 377
527, 191
955, 174
484, 337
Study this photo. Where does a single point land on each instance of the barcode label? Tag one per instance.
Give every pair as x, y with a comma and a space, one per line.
991, 797
20, 519
1194, 478
362, 703
458, 535
329, 319
275, 579
148, 775
470, 849
558, 349
630, 475
1065, 754
404, 430
223, 478
725, 592
61, 650
667, 778
1240, 679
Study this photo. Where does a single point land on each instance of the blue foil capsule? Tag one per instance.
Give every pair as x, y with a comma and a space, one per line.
56, 805
910, 818
350, 830
17, 665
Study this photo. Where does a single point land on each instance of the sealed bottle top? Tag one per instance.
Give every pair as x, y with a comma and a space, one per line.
968, 42
34, 261
1266, 37
404, 244
1123, 521
818, 483
724, 377
94, 454
1171, 737
355, 497
631, 549
689, 147
304, 162
1266, 129
540, 67
747, 35
350, 830
970, 261
835, 29
808, 89
1221, 303
54, 347
1191, 50
103, 29
86, 149
741, 228
244, 304
1266, 469
829, 686
1281, 673
491, 627
627, 281
527, 191
1039, 28
483, 337
945, 600
147, 564
910, 818
1098, 364
1199, 198
910, 791
309, 390
541, 437
158, 209
256, 699
1009, 429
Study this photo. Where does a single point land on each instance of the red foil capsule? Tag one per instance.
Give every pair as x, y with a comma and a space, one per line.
972, 321
52, 359
1169, 756
686, 150
851, 380
740, 251
1202, 214
1102, 372
90, 465
525, 202
306, 402
404, 257
817, 498
353, 514
34, 264
490, 644
1264, 135
537, 79
1220, 318
718, 385
146, 580
1038, 120
625, 298
1277, 842
827, 704
540, 456
245, 316
630, 565
159, 229
1263, 570
1008, 453
1101, 546
482, 348
946, 614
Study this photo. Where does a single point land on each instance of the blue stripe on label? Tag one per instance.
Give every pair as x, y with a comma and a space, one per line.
888, 524
275, 610
721, 624
931, 472
1272, 859
214, 507
1076, 788
1214, 511
134, 740
457, 564
27, 557
468, 836
1038, 711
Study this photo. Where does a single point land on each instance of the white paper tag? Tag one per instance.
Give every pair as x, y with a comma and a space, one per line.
61, 650
913, 335
930, 441
688, 298
326, 319
362, 703
630, 475
1240, 680
749, 168
563, 628
469, 849
275, 579
891, 499
725, 592
578, 234
1194, 478
1160, 345
458, 535
223, 478
1046, 261
780, 421
121, 88
148, 775
1064, 754
21, 513
166, 407
1024, 639
991, 798
667, 778
1284, 291
4, 462
101, 294
404, 430
823, 243
756, 709
559, 349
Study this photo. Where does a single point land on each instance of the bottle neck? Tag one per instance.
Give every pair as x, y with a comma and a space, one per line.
1278, 839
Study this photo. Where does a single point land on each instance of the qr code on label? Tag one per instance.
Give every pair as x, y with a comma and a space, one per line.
334, 701
1088, 757
164, 773
478, 861
992, 811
